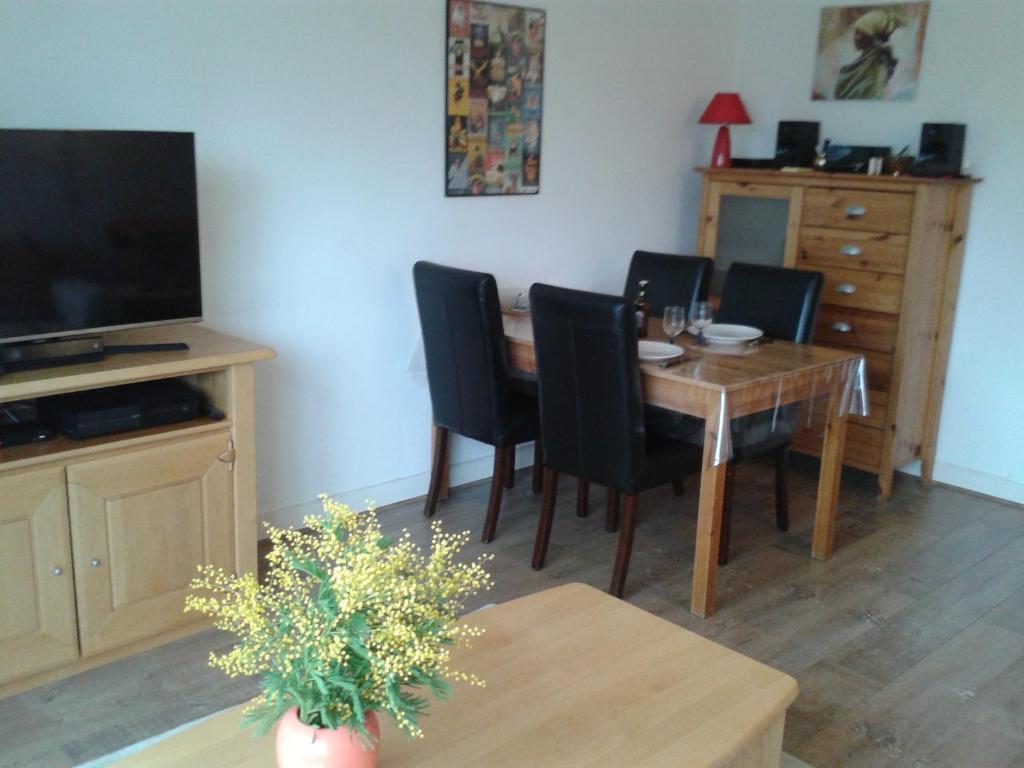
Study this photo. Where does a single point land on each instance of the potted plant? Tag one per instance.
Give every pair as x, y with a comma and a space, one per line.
348, 623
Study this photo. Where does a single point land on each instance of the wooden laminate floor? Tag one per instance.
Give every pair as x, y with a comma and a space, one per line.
908, 643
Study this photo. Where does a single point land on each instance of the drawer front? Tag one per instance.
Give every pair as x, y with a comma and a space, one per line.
862, 290
879, 366
856, 328
854, 209
863, 448
879, 370
878, 403
871, 251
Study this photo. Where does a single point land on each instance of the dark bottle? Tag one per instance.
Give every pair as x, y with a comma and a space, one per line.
643, 310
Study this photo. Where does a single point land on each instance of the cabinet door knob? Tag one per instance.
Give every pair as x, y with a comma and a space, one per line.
95, 562
850, 250
855, 211
846, 288
57, 570
840, 327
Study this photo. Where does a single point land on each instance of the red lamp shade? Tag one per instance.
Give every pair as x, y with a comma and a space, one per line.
725, 109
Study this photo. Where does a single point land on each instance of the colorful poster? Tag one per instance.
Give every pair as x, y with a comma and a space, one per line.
458, 136
477, 117
458, 57
458, 18
458, 96
494, 104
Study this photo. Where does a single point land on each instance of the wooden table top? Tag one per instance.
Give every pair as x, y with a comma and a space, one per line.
208, 350
748, 375
574, 678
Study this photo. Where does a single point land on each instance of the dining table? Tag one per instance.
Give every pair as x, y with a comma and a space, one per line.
718, 383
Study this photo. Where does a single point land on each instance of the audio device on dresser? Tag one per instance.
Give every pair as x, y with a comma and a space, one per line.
942, 149
796, 143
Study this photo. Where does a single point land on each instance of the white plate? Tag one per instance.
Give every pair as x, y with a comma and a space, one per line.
655, 351
723, 333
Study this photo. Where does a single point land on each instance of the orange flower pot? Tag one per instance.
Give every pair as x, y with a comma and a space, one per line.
303, 746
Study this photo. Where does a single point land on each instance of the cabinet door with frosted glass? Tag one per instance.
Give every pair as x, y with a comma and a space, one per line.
751, 223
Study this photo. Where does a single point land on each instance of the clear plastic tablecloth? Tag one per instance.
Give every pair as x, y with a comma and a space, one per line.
852, 400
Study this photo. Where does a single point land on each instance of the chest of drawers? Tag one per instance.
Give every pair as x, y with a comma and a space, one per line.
891, 250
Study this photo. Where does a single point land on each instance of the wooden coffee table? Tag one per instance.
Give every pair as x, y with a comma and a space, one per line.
574, 678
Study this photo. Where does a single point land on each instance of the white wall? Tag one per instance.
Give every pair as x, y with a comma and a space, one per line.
972, 72
320, 151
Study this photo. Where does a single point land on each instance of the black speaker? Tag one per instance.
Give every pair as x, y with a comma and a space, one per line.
942, 149
796, 143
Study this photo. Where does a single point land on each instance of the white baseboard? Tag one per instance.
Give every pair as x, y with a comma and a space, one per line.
405, 488
401, 489
979, 482
971, 480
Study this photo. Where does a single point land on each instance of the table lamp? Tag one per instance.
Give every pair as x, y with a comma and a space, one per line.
725, 109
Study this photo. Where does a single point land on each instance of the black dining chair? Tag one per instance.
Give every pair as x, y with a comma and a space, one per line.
471, 388
592, 411
783, 303
674, 280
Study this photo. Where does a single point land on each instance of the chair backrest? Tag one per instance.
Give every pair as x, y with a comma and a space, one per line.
780, 301
464, 346
675, 280
591, 403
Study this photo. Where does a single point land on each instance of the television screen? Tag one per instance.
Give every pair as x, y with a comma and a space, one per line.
98, 230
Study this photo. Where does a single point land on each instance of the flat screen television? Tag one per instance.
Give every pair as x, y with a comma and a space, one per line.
99, 231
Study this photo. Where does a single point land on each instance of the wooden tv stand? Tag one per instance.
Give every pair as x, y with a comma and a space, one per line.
100, 537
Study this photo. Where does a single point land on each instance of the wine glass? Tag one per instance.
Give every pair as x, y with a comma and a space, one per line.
700, 318
673, 322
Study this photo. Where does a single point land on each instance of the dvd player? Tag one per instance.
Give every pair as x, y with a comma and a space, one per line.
120, 409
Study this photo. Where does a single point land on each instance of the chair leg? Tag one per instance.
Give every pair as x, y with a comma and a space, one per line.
582, 498
510, 468
782, 488
611, 515
625, 545
437, 470
494, 504
547, 514
538, 466
723, 541
678, 485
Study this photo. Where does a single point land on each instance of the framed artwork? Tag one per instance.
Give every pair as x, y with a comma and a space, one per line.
494, 95
870, 51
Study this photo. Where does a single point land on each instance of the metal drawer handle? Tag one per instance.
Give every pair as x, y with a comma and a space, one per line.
95, 562
57, 570
855, 211
851, 250
841, 327
846, 288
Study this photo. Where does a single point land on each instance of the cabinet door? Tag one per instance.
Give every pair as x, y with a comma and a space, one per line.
752, 223
141, 522
37, 597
